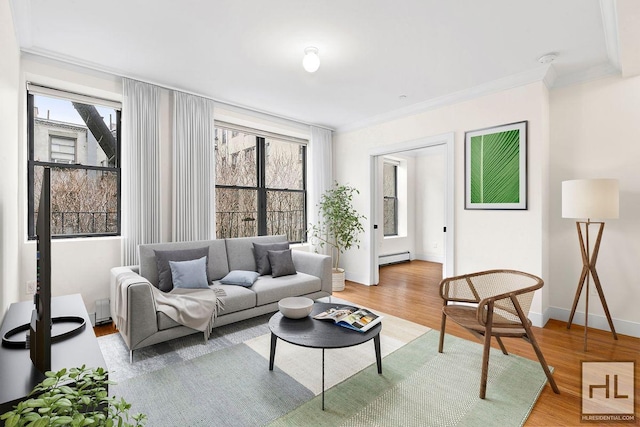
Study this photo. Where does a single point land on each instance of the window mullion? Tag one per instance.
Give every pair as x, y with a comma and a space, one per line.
262, 191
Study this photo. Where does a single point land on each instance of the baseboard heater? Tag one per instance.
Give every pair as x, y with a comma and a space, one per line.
394, 258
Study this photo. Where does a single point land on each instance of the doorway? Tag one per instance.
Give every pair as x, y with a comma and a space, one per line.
414, 149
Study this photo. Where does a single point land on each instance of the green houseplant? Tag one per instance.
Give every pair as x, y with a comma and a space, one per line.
74, 397
339, 226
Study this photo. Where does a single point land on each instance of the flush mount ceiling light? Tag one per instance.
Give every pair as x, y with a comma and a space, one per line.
311, 60
548, 58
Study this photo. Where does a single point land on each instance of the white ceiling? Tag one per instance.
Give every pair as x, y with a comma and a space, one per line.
249, 52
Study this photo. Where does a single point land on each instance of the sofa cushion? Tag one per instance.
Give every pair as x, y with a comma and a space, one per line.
261, 254
281, 263
217, 266
269, 289
190, 274
237, 298
240, 251
163, 258
240, 278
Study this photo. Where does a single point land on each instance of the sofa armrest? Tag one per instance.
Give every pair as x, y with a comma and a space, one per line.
140, 318
316, 265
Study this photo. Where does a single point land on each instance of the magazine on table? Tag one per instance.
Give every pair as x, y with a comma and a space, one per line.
358, 319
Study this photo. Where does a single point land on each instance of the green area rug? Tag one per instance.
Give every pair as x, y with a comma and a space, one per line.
226, 382
421, 387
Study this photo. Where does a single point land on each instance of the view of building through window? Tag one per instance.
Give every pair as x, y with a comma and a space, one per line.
390, 193
79, 142
260, 186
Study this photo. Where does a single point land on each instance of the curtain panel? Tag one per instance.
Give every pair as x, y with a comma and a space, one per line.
193, 168
141, 220
320, 166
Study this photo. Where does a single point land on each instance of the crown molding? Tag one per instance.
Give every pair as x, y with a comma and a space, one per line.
602, 70
535, 75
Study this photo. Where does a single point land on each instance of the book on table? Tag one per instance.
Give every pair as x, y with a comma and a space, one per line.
358, 319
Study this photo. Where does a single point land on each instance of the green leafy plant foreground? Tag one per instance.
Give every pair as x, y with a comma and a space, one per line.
340, 223
74, 397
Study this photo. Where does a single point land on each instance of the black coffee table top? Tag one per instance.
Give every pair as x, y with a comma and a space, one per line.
309, 332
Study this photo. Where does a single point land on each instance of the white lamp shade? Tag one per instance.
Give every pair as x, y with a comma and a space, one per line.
590, 198
311, 60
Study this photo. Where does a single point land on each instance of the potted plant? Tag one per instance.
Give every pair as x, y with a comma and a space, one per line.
74, 397
339, 226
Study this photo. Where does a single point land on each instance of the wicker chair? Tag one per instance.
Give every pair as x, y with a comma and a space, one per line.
495, 304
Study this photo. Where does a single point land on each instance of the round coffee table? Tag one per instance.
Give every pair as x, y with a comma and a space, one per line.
324, 334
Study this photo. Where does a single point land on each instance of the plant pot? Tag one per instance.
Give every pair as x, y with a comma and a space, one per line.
337, 279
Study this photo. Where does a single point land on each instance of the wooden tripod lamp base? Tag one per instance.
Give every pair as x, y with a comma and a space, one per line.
590, 198
589, 270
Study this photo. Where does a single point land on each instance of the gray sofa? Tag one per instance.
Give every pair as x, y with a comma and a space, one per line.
146, 327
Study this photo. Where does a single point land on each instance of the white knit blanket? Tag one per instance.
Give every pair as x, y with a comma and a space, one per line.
194, 308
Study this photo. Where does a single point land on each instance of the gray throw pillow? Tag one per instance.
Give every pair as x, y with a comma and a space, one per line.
281, 263
262, 259
165, 283
240, 277
189, 274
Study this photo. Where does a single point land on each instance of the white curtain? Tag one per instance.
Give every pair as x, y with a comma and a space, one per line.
193, 168
320, 168
140, 167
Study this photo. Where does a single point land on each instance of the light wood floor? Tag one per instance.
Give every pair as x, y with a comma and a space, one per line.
410, 290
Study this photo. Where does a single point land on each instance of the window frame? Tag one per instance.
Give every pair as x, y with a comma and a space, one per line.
261, 149
32, 164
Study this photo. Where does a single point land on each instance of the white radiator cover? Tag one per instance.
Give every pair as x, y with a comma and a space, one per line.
394, 258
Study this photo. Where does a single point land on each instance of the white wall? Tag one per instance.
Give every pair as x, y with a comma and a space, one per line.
430, 207
595, 133
10, 95
484, 239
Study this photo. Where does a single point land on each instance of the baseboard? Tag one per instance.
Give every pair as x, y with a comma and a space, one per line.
596, 321
395, 258
431, 258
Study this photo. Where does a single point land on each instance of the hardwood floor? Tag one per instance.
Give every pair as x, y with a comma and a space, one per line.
411, 291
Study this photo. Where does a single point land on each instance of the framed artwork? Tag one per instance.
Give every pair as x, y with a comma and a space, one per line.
496, 167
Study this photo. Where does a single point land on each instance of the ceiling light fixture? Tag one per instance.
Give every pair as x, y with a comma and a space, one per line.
311, 60
548, 58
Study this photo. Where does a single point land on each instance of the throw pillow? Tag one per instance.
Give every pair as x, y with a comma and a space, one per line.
240, 277
262, 259
165, 282
281, 263
189, 274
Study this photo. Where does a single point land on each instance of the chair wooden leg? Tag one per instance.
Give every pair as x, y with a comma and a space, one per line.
485, 353
502, 347
543, 362
443, 323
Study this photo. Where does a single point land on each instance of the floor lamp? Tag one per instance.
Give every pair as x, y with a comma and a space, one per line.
587, 199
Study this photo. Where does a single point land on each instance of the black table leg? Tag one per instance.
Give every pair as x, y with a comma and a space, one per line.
376, 343
323, 379
272, 352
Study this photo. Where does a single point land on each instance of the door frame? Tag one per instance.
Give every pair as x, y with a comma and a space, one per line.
447, 140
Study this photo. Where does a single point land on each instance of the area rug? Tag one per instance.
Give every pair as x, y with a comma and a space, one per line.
226, 381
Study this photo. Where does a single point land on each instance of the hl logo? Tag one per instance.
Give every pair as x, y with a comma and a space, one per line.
606, 387
608, 391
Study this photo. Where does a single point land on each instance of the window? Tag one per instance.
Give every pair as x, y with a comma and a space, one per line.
62, 149
390, 194
79, 139
260, 185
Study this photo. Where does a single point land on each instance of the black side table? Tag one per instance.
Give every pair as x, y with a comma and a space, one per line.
308, 332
